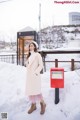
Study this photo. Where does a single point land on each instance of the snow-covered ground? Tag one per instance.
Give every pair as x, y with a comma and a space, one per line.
14, 101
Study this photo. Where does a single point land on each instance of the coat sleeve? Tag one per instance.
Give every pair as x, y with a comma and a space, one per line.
40, 64
26, 63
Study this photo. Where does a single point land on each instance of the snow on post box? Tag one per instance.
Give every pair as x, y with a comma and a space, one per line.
57, 77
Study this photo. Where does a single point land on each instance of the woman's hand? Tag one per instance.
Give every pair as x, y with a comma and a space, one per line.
36, 74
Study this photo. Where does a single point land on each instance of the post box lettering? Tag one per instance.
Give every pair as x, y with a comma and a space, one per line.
57, 74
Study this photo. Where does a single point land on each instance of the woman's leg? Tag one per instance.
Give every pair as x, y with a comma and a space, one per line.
33, 104
39, 98
34, 99
43, 106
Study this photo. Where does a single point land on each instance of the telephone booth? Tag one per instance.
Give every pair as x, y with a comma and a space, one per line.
24, 37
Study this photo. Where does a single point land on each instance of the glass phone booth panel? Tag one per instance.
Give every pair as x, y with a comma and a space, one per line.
23, 47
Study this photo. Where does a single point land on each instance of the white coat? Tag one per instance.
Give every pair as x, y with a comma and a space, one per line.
34, 66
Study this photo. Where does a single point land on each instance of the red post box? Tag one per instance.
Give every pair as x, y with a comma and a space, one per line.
57, 77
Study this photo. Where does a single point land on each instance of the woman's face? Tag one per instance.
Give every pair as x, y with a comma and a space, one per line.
31, 47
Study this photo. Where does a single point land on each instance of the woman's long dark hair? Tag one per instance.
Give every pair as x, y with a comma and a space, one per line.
35, 49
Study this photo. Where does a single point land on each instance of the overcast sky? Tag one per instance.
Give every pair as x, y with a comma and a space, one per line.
17, 14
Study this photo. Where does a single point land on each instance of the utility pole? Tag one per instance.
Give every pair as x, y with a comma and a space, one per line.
40, 26
39, 16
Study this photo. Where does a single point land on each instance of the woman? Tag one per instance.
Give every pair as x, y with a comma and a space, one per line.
33, 87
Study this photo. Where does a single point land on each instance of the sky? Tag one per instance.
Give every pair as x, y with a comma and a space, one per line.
18, 14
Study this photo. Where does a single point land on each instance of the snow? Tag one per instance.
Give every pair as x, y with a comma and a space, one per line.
7, 53
14, 101
69, 48
51, 37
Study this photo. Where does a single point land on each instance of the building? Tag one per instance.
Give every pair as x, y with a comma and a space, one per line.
74, 18
2, 44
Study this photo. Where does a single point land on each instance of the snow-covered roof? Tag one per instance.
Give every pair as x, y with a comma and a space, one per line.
26, 29
1, 1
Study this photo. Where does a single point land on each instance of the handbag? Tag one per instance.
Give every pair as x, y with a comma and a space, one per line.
41, 72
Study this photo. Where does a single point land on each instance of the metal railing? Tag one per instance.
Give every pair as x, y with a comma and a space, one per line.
56, 61
12, 58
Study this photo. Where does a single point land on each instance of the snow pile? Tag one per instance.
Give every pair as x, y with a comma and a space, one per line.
12, 81
14, 101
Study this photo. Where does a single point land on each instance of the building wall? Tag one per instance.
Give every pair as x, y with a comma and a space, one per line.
74, 18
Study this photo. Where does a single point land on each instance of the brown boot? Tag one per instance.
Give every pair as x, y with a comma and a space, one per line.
32, 108
43, 106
